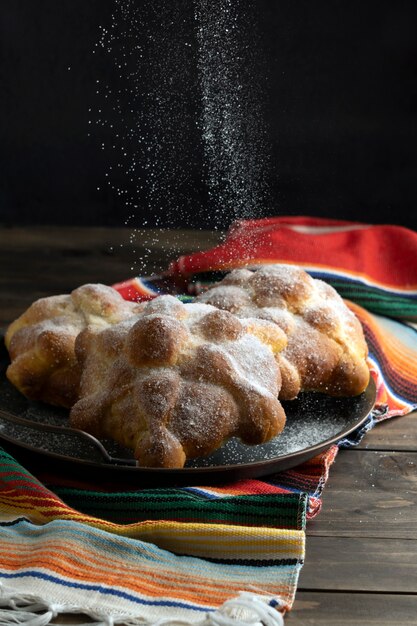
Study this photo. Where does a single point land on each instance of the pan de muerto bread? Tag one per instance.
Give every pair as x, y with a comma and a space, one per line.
326, 349
41, 341
177, 380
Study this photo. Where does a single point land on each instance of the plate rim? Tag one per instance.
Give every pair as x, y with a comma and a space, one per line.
297, 456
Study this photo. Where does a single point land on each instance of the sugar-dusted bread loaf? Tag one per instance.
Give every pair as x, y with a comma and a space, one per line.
177, 380
326, 349
41, 341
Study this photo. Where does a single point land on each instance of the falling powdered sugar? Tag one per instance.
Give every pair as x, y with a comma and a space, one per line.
232, 124
179, 117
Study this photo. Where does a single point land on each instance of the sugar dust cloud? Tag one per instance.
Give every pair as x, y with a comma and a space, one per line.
180, 116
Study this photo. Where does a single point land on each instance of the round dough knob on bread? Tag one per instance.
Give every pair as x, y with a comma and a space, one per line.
325, 347
186, 378
41, 342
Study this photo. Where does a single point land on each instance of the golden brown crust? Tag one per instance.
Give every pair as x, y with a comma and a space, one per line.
326, 350
156, 340
41, 342
174, 381
182, 380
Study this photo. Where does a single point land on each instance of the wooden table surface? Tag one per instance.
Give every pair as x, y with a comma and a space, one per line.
361, 553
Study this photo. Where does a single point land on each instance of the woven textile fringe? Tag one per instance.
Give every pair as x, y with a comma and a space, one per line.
81, 568
210, 555
29, 610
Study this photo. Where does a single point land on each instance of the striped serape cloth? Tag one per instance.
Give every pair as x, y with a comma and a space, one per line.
373, 266
223, 554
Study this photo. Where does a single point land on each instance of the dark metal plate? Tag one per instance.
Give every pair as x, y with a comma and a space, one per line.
39, 431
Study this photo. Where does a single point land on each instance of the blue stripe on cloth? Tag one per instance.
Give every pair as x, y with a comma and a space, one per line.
205, 494
129, 546
357, 435
376, 364
138, 551
101, 589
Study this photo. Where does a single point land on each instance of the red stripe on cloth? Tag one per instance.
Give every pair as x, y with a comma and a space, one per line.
132, 289
384, 253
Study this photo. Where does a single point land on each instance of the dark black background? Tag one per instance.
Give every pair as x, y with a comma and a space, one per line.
340, 106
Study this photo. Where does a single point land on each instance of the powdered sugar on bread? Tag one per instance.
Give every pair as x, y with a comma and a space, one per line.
326, 350
186, 378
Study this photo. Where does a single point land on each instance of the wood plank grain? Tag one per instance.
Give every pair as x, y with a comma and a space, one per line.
360, 564
397, 433
39, 262
73, 619
122, 239
352, 609
365, 537
370, 493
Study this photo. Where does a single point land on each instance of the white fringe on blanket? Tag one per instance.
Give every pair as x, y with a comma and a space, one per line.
20, 609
